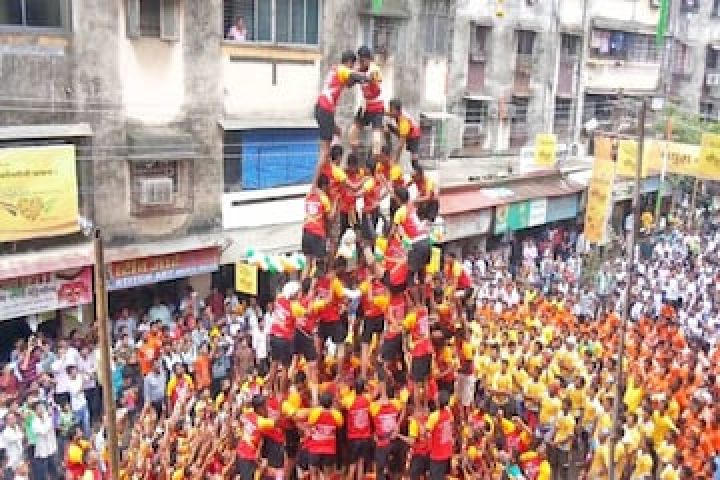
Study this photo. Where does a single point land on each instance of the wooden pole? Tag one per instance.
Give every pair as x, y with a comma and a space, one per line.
630, 280
101, 318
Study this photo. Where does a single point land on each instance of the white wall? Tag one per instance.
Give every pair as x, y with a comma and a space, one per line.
152, 76
604, 74
283, 210
436, 82
249, 90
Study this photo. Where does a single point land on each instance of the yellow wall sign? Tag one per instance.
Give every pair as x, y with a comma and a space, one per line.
246, 278
627, 155
599, 193
545, 150
682, 158
709, 164
38, 192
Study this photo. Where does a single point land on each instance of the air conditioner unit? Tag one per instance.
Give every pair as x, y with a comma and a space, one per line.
655, 3
712, 79
472, 130
477, 56
155, 191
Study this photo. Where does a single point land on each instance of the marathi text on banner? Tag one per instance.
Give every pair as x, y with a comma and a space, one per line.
682, 158
599, 194
39, 195
246, 278
45, 292
545, 150
709, 163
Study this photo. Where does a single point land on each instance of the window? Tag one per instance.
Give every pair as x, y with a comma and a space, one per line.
712, 59
476, 111
276, 21
153, 18
51, 14
616, 45
381, 34
708, 112
268, 158
479, 35
715, 8
150, 18
689, 6
525, 41
569, 45
160, 187
519, 111
681, 59
563, 110
437, 23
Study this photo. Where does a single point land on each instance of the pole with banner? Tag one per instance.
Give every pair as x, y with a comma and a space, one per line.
663, 172
599, 194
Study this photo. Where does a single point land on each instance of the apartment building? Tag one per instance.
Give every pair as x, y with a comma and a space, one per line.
192, 142
518, 68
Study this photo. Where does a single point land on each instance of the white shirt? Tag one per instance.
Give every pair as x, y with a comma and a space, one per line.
88, 368
45, 438
71, 357
11, 440
77, 393
260, 337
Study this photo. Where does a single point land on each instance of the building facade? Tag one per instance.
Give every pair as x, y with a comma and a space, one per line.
190, 123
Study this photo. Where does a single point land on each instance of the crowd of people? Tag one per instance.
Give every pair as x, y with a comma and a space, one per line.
381, 361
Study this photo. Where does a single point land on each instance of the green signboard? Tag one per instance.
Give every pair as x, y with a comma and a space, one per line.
514, 216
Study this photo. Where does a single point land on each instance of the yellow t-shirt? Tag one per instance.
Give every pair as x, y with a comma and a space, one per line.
564, 429
549, 409
643, 465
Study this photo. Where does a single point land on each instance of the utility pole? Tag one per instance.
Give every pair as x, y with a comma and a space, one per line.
579, 77
101, 318
630, 281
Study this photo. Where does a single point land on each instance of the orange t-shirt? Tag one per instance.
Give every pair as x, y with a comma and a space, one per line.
202, 372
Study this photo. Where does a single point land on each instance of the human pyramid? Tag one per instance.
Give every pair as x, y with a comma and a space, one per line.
387, 361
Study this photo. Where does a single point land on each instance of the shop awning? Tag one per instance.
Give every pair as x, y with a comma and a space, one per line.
49, 260
60, 130
153, 249
623, 25
469, 198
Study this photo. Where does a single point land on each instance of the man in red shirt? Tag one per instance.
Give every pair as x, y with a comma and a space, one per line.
317, 213
442, 438
323, 421
390, 451
359, 430
373, 112
339, 77
407, 130
253, 424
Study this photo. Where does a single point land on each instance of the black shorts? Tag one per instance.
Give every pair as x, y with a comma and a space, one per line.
392, 348
281, 350
439, 469
304, 345
420, 368
303, 459
419, 255
292, 442
419, 466
322, 460
371, 326
245, 469
373, 119
412, 145
274, 452
335, 331
391, 456
360, 449
326, 123
313, 245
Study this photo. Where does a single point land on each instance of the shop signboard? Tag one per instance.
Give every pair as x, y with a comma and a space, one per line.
545, 150
150, 270
45, 292
513, 216
600, 192
709, 163
537, 212
39, 195
246, 278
